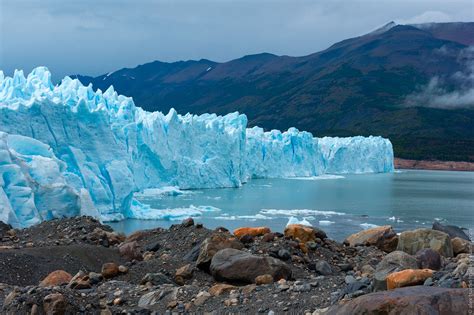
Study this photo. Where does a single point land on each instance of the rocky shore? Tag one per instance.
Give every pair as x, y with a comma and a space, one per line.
433, 165
80, 266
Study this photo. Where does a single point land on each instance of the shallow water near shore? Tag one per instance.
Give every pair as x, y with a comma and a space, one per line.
340, 205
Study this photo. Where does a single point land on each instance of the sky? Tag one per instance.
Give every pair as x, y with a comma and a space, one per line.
93, 37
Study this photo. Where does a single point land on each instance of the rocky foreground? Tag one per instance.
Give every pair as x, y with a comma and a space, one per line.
78, 265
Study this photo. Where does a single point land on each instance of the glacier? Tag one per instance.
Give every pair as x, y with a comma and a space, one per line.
68, 150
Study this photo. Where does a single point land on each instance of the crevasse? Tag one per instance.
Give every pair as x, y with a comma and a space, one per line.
67, 150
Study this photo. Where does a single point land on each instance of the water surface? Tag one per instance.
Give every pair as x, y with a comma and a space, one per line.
340, 205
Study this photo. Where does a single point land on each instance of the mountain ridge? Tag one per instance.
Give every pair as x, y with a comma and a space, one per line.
357, 86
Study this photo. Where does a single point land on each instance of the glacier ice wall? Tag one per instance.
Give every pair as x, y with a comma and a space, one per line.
356, 155
69, 150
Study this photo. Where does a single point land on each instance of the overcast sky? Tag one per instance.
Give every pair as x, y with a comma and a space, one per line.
97, 36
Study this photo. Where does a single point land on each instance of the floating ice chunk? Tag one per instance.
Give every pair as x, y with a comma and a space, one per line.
395, 219
145, 212
326, 222
294, 220
320, 177
255, 217
299, 212
163, 191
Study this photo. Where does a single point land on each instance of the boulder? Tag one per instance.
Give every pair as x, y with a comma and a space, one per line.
393, 262
304, 233
131, 251
452, 230
253, 231
407, 278
237, 266
412, 241
110, 270
56, 278
428, 259
323, 268
211, 245
54, 303
383, 237
421, 300
460, 246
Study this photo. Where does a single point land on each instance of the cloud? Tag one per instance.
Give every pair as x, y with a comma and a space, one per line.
436, 93
428, 17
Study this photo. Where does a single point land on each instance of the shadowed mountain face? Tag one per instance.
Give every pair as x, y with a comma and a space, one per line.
412, 84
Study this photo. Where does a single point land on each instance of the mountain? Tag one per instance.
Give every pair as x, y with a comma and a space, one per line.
411, 83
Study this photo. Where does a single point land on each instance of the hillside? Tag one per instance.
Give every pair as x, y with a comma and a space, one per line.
412, 84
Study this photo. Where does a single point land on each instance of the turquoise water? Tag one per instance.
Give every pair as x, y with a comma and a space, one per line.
340, 205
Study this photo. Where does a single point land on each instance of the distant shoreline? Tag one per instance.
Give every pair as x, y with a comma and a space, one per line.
434, 165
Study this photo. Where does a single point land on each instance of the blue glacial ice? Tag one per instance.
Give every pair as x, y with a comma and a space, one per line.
67, 150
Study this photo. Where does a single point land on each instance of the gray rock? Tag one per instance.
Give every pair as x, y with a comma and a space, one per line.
393, 262
323, 268
156, 279
154, 299
412, 241
428, 282
452, 230
349, 279
305, 287
153, 247
193, 254
238, 266
284, 254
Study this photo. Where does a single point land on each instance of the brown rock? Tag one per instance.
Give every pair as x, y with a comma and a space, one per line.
407, 278
253, 231
110, 270
382, 236
188, 222
420, 300
131, 251
112, 237
211, 245
461, 246
428, 259
268, 237
249, 288
55, 278
303, 233
264, 279
183, 273
54, 304
412, 241
221, 288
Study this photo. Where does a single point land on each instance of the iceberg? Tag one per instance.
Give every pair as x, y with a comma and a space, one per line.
68, 150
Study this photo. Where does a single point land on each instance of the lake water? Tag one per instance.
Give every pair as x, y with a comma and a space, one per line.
340, 205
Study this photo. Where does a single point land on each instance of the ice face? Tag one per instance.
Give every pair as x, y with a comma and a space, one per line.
69, 150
